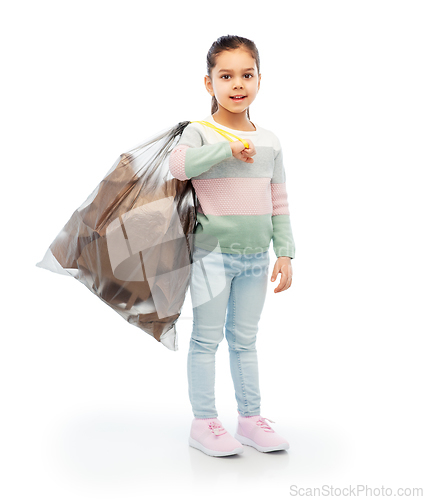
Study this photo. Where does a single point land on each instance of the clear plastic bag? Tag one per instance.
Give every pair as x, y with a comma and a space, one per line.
131, 241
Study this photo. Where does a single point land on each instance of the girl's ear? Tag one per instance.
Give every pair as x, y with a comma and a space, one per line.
259, 81
208, 85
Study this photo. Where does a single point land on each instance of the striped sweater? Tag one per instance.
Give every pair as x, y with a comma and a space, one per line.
242, 206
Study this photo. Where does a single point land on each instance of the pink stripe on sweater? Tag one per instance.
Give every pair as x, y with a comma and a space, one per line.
177, 161
280, 204
234, 195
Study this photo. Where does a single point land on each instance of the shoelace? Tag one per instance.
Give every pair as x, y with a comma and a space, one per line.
263, 425
216, 428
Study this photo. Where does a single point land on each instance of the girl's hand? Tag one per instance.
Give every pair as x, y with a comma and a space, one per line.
283, 266
242, 153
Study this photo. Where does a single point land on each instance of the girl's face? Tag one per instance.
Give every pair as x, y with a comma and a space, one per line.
235, 73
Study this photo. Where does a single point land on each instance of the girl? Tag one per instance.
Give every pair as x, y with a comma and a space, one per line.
242, 206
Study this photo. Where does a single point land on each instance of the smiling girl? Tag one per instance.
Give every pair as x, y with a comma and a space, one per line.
242, 207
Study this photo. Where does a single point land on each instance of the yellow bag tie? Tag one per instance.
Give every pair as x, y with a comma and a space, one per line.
225, 133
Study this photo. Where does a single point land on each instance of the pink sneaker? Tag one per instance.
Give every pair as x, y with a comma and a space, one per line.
255, 432
208, 435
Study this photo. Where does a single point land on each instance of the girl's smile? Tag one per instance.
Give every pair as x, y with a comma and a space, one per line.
238, 98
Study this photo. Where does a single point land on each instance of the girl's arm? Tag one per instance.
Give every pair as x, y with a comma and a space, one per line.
191, 158
186, 162
283, 242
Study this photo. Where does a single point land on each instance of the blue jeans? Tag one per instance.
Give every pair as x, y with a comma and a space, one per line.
217, 281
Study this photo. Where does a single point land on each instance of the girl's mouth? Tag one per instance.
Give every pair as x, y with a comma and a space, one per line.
234, 98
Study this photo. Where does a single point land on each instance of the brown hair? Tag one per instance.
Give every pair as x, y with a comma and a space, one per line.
229, 42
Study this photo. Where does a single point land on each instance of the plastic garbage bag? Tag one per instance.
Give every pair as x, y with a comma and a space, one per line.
131, 241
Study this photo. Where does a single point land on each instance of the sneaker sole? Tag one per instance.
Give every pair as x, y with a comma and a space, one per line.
263, 449
213, 453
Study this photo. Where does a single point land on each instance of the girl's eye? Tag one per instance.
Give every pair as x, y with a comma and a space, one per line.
247, 74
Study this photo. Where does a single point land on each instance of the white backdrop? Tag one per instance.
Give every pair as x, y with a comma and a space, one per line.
94, 408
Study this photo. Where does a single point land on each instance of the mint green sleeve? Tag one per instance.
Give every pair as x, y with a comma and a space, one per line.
200, 157
282, 239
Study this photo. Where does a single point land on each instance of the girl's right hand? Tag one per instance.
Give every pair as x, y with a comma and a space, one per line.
242, 153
